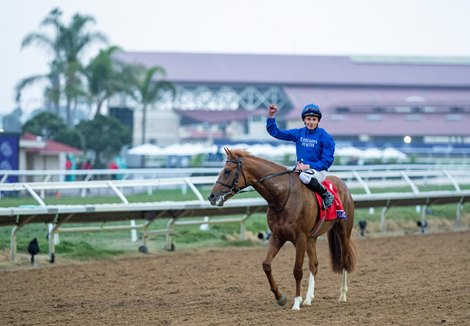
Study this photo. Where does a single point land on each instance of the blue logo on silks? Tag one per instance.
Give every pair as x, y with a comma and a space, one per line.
9, 154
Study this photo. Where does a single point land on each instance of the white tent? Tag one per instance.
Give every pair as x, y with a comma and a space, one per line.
188, 149
263, 150
266, 150
172, 150
392, 153
145, 149
286, 149
349, 151
372, 153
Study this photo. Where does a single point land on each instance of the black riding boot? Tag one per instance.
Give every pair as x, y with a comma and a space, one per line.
324, 193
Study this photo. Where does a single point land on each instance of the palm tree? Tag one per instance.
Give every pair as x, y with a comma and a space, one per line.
52, 90
53, 19
74, 40
73, 88
105, 76
67, 44
148, 90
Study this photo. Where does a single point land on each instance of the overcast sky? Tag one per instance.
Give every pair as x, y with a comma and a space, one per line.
331, 27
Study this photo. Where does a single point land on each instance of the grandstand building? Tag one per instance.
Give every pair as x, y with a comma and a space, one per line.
366, 101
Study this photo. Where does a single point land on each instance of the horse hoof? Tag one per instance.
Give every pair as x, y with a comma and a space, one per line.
283, 300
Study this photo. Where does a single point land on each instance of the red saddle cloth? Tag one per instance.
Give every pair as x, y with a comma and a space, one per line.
336, 209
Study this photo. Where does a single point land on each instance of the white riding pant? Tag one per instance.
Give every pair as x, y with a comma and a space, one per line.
307, 175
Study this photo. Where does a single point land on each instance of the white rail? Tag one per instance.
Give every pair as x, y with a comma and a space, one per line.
147, 213
152, 173
366, 180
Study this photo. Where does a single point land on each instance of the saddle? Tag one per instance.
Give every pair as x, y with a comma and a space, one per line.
335, 211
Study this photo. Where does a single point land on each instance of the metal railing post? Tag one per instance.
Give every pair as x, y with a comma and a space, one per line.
169, 237
458, 214
125, 201
14, 231
383, 224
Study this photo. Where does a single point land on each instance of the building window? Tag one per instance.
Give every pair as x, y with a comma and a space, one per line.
454, 117
342, 109
374, 117
209, 97
337, 117
429, 109
413, 117
403, 109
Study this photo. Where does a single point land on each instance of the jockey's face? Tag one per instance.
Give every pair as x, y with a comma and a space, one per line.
311, 122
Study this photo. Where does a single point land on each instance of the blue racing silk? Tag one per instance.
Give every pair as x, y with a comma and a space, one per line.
313, 147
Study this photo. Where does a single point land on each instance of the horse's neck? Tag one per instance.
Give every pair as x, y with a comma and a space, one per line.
272, 188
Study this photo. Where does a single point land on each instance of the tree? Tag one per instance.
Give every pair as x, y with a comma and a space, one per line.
105, 77
73, 40
148, 91
46, 124
105, 135
67, 44
72, 137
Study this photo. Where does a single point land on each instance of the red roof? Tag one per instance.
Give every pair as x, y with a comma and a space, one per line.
401, 124
329, 98
265, 69
29, 136
51, 147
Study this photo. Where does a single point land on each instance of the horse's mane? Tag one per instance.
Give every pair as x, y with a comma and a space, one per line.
236, 153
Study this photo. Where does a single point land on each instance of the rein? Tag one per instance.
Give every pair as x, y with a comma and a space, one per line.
235, 190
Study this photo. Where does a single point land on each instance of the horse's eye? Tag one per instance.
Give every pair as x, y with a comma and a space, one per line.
227, 171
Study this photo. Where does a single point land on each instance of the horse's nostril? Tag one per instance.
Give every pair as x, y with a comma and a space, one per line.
211, 196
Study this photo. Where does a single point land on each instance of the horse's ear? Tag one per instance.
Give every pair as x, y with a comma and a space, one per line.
228, 152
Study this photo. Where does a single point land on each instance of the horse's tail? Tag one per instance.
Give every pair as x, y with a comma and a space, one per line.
343, 251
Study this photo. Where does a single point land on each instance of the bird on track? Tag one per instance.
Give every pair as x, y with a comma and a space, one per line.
33, 249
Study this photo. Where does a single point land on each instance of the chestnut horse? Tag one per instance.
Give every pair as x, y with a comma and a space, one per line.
292, 215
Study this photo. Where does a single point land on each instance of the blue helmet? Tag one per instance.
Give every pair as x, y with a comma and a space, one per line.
311, 110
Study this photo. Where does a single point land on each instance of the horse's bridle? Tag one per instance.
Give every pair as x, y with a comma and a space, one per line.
234, 186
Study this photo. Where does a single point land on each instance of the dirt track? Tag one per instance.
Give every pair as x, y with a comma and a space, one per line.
412, 280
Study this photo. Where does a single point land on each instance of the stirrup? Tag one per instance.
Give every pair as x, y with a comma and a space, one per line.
327, 200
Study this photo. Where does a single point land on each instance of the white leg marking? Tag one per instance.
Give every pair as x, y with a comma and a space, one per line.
297, 302
344, 286
310, 291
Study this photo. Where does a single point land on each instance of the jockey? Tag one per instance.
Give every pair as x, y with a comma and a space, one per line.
314, 147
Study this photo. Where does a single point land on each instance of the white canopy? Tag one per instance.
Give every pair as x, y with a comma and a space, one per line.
188, 149
263, 150
266, 150
393, 153
172, 150
372, 153
349, 151
145, 149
